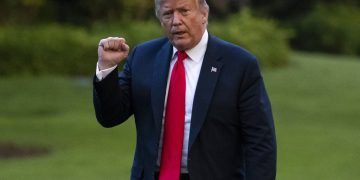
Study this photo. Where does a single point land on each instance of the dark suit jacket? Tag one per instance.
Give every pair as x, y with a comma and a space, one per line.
232, 130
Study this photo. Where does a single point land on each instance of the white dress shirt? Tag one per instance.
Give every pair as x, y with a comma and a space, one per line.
192, 66
101, 74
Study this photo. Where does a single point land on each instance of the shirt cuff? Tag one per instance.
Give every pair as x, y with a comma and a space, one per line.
101, 74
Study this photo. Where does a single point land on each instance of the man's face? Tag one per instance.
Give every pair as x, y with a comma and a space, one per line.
184, 22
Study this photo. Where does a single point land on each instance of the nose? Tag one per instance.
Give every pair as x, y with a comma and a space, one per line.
176, 19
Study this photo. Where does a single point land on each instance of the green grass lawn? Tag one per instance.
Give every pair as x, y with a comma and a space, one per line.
316, 105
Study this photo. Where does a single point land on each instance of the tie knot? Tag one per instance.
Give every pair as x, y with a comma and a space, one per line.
182, 55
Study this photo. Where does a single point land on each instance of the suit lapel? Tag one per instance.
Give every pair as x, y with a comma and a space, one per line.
158, 89
209, 73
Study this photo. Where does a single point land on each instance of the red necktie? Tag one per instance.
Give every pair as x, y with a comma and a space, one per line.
174, 122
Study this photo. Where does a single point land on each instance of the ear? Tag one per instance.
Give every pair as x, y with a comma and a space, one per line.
161, 23
205, 17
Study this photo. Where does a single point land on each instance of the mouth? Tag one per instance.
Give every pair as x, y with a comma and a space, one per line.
178, 33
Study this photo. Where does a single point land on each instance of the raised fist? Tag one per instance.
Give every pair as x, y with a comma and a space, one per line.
112, 51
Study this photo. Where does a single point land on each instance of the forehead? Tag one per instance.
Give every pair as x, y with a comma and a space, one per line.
177, 3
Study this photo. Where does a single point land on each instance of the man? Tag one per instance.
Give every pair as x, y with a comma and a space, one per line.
200, 105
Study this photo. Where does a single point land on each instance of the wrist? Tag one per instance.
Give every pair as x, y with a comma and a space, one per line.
103, 66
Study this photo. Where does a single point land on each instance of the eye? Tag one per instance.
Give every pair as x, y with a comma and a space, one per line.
166, 14
184, 11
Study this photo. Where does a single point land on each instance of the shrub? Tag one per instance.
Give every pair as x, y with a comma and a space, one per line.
46, 49
332, 28
54, 49
134, 32
260, 36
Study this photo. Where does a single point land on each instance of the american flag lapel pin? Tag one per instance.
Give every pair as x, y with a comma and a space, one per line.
213, 69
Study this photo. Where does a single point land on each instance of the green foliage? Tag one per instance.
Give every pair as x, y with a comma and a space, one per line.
19, 11
260, 36
330, 28
75, 12
53, 49
293, 9
134, 32
46, 49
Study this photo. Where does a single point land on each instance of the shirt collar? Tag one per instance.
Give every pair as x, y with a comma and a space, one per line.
196, 53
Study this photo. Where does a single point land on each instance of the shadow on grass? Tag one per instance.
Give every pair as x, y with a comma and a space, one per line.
11, 150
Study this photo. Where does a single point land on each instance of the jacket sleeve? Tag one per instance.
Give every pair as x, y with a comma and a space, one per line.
257, 125
112, 96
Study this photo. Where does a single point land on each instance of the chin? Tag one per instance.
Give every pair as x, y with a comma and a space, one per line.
181, 44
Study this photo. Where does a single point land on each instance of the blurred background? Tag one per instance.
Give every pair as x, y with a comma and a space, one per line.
309, 51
